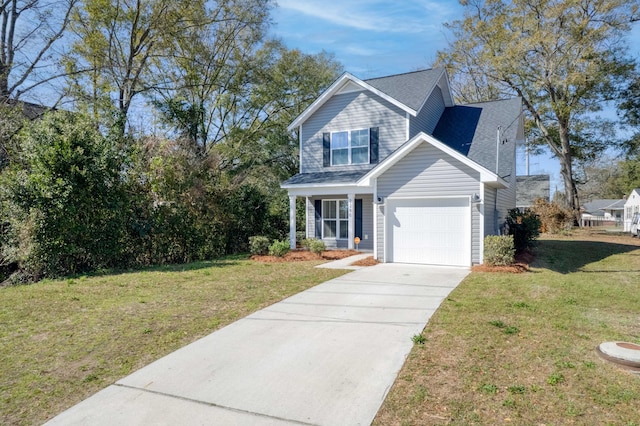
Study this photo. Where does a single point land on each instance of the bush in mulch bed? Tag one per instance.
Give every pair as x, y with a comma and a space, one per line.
305, 255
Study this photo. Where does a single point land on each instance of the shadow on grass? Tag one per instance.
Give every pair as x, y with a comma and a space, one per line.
230, 260
572, 256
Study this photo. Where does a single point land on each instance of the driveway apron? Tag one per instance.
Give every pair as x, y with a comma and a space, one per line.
326, 356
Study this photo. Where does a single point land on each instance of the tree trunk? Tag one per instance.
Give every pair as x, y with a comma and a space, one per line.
4, 84
566, 169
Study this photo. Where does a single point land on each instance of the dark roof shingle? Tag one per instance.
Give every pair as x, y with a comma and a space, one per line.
334, 177
411, 88
473, 131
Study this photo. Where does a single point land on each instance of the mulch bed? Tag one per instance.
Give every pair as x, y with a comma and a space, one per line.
521, 265
367, 261
305, 255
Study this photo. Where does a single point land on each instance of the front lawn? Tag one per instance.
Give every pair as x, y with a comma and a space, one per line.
520, 348
63, 340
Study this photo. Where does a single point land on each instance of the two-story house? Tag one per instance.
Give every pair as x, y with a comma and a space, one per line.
394, 162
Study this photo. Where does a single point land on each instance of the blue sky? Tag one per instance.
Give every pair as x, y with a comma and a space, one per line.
373, 38
370, 38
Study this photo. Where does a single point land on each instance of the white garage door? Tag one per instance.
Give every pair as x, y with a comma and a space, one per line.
430, 231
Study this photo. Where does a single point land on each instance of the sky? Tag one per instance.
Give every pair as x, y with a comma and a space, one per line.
374, 38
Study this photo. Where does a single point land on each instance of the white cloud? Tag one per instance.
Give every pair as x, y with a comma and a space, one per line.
359, 50
378, 16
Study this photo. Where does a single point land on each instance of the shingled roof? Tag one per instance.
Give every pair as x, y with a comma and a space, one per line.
329, 178
410, 88
30, 110
598, 207
473, 131
469, 129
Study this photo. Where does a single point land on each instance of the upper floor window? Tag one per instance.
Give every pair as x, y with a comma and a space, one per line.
350, 147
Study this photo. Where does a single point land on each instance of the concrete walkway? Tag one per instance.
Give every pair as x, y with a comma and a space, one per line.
326, 356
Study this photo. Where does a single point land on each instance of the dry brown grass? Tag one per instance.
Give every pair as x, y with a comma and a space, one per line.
520, 348
63, 340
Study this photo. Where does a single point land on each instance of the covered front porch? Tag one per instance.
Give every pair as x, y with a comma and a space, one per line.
343, 220
340, 220
339, 209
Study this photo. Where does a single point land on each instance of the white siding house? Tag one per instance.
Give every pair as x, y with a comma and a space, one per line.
631, 206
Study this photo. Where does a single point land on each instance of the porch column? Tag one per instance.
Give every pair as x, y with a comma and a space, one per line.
352, 221
292, 221
307, 207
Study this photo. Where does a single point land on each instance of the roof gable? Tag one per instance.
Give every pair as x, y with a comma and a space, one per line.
400, 90
486, 176
404, 87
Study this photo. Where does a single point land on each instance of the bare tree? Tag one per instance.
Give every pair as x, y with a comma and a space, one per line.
29, 29
563, 58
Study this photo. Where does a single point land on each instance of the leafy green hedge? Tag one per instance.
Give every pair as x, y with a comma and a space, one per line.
499, 250
76, 200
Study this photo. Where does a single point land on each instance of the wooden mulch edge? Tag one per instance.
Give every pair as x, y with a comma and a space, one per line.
522, 262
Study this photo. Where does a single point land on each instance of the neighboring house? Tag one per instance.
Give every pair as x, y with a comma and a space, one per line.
30, 110
531, 187
394, 162
631, 206
13, 109
602, 212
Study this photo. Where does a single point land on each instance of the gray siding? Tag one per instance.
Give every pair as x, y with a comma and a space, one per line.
380, 233
490, 221
310, 219
428, 172
367, 221
354, 110
506, 199
475, 234
428, 116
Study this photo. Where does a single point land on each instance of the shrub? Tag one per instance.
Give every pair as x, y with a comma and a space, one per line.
300, 237
316, 246
525, 228
499, 250
63, 199
279, 248
554, 219
259, 245
305, 243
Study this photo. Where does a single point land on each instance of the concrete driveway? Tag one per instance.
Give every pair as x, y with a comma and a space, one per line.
326, 356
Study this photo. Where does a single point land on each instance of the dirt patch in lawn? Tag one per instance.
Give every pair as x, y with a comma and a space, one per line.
367, 261
305, 255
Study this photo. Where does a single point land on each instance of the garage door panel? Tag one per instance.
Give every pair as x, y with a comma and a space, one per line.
431, 231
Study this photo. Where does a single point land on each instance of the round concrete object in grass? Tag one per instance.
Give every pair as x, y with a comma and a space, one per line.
623, 353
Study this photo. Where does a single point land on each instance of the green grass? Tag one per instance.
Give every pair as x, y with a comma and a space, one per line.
63, 340
520, 348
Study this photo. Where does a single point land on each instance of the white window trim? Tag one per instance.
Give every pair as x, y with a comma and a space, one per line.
337, 219
350, 148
